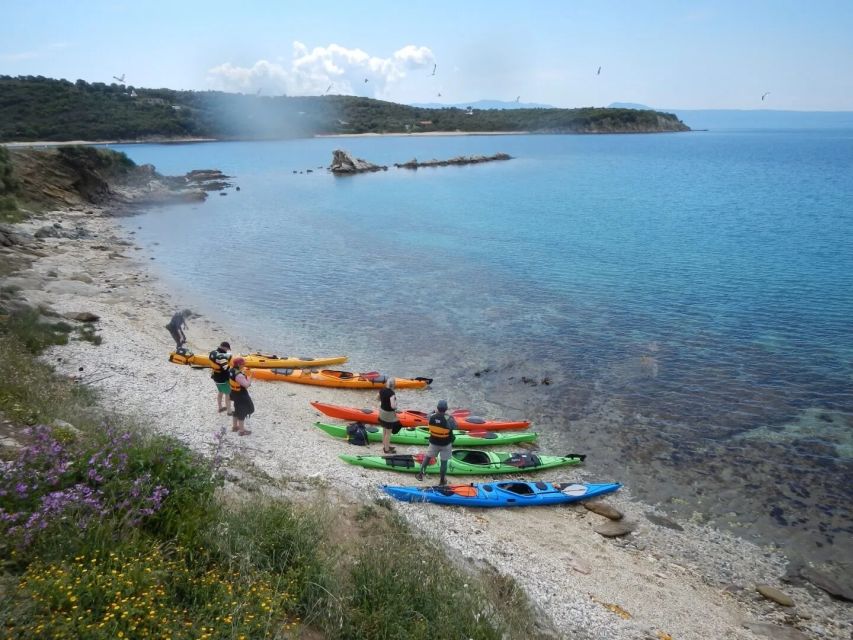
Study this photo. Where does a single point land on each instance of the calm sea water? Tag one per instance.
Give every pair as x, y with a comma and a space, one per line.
677, 306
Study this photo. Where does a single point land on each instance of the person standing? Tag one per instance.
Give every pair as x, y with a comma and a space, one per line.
239, 382
176, 327
388, 415
220, 359
441, 427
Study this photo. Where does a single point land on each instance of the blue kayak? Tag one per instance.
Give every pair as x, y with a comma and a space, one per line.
512, 493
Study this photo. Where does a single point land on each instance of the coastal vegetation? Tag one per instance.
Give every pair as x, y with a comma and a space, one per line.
36, 108
110, 530
8, 188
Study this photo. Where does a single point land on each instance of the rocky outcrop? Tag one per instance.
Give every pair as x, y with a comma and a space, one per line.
344, 164
414, 164
78, 175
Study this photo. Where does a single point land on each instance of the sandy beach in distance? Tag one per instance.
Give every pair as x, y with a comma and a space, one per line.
665, 580
423, 134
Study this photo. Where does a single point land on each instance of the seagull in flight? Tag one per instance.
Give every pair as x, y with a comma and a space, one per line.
598, 73
764, 95
365, 79
434, 67
119, 79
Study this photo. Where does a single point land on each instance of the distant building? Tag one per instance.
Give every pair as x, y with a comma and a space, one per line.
425, 123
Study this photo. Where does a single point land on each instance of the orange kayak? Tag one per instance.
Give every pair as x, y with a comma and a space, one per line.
340, 379
412, 418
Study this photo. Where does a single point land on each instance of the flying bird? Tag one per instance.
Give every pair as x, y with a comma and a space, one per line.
434, 67
365, 79
518, 98
119, 79
328, 89
598, 73
439, 95
764, 95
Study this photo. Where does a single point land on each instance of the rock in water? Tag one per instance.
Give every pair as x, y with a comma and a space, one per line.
343, 163
603, 509
774, 632
828, 584
771, 593
662, 521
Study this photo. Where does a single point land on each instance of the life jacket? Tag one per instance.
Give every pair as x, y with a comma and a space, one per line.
215, 355
440, 431
236, 387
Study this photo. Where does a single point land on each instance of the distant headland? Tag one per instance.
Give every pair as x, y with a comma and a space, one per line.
36, 108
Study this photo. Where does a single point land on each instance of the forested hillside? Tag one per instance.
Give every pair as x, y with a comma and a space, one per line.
37, 108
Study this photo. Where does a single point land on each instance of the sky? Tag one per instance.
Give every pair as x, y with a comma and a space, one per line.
682, 54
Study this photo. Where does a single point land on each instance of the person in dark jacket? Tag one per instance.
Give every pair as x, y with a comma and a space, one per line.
239, 381
220, 358
441, 427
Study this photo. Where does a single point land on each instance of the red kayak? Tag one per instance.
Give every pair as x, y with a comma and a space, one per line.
419, 419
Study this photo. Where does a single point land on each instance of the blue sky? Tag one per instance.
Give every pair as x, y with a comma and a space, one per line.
665, 54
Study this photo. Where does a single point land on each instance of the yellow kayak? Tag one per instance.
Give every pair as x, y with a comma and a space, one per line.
257, 360
339, 379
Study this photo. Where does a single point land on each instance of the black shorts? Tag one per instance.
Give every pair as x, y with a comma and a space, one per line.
243, 405
394, 426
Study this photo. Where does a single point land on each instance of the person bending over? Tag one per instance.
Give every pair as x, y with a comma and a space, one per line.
176, 327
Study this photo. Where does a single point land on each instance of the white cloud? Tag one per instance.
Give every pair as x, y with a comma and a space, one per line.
312, 72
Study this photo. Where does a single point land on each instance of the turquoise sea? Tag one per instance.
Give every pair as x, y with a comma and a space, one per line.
677, 306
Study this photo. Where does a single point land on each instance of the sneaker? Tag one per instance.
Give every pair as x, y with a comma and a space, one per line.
420, 476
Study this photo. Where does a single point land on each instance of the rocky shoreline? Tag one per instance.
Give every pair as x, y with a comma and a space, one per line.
654, 579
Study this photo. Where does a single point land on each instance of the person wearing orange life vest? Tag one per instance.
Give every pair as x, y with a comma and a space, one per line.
239, 383
441, 427
219, 358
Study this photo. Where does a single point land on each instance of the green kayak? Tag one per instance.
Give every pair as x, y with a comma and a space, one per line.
468, 462
420, 435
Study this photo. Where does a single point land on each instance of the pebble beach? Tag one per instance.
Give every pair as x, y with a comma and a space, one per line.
663, 579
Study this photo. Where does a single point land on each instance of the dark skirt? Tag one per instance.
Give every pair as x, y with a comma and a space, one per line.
243, 405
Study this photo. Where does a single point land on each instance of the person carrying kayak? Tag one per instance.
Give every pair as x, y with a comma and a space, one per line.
441, 426
388, 415
239, 382
219, 358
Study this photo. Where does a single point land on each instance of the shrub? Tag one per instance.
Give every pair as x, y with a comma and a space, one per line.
153, 593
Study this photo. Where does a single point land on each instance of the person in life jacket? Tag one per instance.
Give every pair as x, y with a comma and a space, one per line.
441, 427
220, 359
239, 382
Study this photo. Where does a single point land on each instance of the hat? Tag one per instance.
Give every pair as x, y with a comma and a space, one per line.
442, 405
239, 361
225, 345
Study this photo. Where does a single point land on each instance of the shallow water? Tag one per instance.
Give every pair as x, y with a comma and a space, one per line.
676, 306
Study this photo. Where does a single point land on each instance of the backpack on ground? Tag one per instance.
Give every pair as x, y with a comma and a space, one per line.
357, 434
